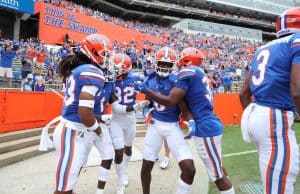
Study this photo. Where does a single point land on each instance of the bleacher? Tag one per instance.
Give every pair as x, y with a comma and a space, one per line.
272, 7
221, 29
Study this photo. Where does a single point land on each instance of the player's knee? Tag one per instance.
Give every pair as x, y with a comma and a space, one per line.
106, 164
189, 170
128, 150
118, 156
187, 167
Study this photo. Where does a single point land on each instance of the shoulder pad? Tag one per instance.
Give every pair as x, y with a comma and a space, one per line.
295, 39
173, 77
186, 74
91, 75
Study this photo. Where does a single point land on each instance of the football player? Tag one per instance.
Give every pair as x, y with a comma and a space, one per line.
267, 120
123, 123
84, 79
192, 85
104, 145
164, 125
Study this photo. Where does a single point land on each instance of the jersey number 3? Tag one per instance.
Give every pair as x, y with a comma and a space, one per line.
262, 60
70, 88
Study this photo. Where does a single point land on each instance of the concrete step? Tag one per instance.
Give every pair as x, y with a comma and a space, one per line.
10, 136
19, 155
20, 143
141, 126
141, 130
141, 133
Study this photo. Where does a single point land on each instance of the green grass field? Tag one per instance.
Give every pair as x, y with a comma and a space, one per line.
243, 169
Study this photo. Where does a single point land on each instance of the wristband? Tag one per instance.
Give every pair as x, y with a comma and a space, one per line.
94, 126
86, 103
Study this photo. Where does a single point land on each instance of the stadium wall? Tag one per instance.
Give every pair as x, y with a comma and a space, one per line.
25, 110
55, 22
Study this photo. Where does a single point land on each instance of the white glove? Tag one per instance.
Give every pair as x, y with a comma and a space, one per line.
140, 105
106, 118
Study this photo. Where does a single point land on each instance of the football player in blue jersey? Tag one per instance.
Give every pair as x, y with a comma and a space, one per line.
267, 120
149, 73
104, 145
84, 79
165, 125
192, 86
123, 123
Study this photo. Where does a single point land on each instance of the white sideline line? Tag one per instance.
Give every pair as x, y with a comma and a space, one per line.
239, 153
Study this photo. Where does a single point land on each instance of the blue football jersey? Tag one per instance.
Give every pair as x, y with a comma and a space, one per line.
270, 68
199, 100
80, 76
124, 89
103, 98
163, 86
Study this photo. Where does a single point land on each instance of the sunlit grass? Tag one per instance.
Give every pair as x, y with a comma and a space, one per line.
243, 169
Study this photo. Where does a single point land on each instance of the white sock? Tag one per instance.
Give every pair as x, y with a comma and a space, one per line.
100, 191
126, 161
183, 188
120, 172
103, 174
229, 191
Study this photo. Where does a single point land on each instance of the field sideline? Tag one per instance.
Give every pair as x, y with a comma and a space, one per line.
243, 169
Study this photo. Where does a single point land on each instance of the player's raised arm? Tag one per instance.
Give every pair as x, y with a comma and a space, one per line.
245, 94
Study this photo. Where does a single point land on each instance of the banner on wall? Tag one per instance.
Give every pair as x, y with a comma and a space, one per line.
26, 6
56, 22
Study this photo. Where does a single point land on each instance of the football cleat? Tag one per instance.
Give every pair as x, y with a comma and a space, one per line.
165, 163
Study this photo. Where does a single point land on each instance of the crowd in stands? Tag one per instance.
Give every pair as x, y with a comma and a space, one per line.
31, 62
226, 57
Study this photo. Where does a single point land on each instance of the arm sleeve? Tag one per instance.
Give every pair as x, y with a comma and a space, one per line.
183, 78
92, 76
182, 84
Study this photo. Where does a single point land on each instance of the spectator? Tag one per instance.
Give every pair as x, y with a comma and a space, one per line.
7, 56
39, 86
64, 51
36, 74
239, 74
26, 66
49, 77
40, 59
30, 53
28, 83
227, 81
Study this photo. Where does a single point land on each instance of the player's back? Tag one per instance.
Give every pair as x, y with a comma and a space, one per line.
124, 89
199, 100
103, 97
82, 75
270, 68
163, 86
198, 95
